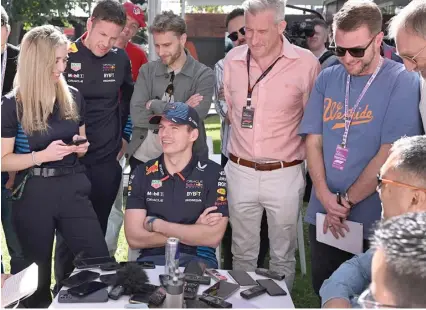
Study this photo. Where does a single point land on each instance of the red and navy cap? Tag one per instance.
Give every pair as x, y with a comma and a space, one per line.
135, 12
178, 113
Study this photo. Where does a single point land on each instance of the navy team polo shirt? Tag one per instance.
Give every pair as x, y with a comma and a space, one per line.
179, 198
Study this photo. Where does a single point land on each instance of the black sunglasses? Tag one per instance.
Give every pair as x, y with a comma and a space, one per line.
356, 52
170, 88
233, 36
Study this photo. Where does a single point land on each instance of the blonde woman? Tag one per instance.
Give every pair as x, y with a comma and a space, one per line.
42, 118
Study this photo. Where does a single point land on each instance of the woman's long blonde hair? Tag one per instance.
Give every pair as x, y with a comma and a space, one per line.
34, 86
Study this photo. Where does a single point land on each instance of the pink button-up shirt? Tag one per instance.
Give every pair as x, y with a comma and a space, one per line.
278, 101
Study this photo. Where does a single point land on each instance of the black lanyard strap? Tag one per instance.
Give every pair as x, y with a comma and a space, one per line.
265, 73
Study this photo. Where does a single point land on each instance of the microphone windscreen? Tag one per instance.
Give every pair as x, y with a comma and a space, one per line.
132, 277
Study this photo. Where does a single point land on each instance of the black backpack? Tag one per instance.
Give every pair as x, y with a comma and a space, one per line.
325, 56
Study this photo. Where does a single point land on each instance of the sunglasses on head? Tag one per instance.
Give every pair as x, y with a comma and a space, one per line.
356, 52
233, 36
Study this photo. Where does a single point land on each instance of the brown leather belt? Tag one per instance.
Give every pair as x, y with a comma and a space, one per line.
263, 167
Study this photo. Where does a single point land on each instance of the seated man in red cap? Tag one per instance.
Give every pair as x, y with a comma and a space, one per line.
135, 21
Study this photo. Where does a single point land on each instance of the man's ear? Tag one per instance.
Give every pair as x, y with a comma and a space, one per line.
418, 202
281, 26
194, 134
183, 38
379, 38
89, 24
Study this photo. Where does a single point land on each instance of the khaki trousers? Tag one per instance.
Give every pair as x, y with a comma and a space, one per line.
280, 192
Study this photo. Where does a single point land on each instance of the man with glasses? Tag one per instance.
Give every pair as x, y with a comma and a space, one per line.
408, 28
176, 76
402, 188
356, 111
235, 26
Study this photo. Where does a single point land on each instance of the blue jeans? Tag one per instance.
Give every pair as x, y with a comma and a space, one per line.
17, 261
184, 259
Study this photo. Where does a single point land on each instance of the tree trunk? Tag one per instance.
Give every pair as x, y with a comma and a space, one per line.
15, 33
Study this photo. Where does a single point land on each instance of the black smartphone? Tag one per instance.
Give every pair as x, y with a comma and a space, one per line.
242, 277
87, 288
66, 298
93, 262
110, 266
143, 265
222, 289
77, 142
195, 267
109, 279
141, 298
80, 278
272, 288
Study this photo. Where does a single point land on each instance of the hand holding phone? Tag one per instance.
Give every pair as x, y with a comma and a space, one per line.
81, 144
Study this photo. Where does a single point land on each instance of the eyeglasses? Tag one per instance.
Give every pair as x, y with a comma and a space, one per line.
170, 88
233, 36
381, 181
412, 59
367, 300
356, 52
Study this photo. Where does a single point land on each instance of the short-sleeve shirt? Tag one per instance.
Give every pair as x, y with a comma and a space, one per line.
388, 111
59, 129
180, 198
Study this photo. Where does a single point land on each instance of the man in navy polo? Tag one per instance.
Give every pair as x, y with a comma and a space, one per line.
177, 195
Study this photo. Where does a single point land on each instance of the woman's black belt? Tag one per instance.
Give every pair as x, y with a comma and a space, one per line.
55, 172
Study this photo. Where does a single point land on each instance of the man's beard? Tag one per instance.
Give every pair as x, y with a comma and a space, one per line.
175, 56
366, 66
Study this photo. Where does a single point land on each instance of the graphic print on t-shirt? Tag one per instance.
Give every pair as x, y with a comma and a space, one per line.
334, 111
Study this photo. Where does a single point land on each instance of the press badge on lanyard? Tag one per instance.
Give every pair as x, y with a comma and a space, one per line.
247, 117
342, 151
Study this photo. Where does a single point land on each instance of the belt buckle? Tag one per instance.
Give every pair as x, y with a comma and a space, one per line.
255, 166
44, 172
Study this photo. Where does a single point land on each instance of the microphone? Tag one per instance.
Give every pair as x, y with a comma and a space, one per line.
132, 278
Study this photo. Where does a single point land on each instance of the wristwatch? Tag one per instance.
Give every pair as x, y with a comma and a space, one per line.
351, 204
150, 221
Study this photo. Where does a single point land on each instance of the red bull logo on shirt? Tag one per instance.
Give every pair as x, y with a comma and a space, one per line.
152, 169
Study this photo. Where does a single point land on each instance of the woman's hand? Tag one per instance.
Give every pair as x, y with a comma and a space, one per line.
56, 150
82, 148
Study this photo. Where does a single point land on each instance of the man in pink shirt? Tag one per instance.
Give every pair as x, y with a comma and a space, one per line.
266, 155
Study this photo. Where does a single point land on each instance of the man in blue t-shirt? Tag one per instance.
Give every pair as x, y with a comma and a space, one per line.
345, 158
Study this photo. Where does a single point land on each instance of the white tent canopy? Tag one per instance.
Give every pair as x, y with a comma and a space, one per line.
238, 2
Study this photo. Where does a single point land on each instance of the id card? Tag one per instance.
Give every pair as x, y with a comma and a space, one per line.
340, 157
247, 118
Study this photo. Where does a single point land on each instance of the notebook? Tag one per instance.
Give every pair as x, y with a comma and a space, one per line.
20, 285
